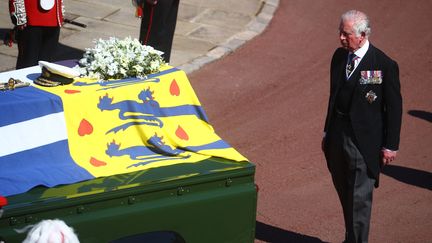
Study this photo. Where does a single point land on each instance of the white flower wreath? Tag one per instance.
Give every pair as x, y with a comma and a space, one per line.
117, 59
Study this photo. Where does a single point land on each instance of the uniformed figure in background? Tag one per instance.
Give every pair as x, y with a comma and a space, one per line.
37, 25
158, 22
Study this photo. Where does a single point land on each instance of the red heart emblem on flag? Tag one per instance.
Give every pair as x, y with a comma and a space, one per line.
174, 88
96, 162
180, 133
85, 128
71, 91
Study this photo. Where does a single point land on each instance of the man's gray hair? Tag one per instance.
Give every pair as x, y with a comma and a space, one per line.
361, 22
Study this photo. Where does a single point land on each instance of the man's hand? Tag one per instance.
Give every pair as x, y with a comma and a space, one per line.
10, 37
21, 27
388, 156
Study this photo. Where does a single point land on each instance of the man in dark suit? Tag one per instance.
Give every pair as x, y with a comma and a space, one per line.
363, 121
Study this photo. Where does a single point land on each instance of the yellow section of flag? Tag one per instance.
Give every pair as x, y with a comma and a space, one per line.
121, 126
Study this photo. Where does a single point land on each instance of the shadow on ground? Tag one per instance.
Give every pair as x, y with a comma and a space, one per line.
409, 176
268, 233
425, 115
63, 52
67, 53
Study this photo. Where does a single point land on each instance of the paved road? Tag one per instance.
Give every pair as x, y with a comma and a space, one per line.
268, 99
205, 31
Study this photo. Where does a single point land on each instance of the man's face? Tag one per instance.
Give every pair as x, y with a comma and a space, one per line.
349, 40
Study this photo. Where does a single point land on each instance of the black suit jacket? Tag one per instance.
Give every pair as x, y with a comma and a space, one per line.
375, 124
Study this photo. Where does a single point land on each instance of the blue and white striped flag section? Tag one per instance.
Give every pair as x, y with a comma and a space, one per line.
66, 134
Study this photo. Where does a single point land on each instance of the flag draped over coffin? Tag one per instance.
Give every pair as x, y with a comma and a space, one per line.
95, 129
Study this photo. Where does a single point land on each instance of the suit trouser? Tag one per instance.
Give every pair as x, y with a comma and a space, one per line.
350, 178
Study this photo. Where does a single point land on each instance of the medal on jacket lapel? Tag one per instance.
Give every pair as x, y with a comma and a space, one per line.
371, 77
371, 96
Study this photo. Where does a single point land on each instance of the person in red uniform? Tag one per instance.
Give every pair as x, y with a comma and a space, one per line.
37, 23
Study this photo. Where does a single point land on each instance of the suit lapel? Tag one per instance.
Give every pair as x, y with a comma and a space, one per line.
365, 61
340, 71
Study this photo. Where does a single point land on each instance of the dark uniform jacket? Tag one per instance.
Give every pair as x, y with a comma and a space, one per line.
375, 109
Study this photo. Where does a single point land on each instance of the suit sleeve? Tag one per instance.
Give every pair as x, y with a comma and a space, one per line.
337, 58
326, 124
392, 107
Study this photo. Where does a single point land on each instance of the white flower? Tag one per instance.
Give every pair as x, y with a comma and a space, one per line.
116, 59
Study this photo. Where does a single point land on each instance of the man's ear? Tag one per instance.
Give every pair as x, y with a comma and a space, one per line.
363, 36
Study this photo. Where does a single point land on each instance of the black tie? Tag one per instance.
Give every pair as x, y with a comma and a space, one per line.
350, 67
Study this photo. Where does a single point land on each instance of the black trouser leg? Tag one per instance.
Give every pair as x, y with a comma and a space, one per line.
49, 44
36, 43
158, 30
351, 180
